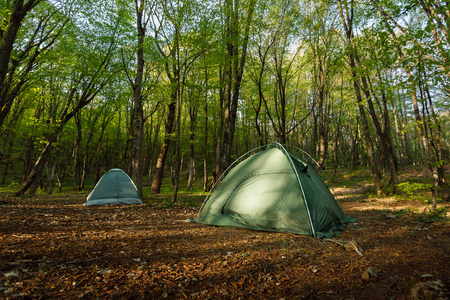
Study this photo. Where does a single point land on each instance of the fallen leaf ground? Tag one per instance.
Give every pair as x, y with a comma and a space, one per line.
56, 248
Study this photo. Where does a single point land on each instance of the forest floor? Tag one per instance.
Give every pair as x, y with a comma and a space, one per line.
54, 247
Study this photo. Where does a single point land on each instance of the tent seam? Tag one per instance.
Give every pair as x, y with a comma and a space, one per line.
301, 187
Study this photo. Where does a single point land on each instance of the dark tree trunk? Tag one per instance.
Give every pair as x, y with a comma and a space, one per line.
193, 115
36, 172
76, 154
234, 68
160, 163
138, 111
205, 151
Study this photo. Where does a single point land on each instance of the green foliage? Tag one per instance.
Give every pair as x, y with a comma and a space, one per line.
302, 39
13, 186
5, 13
349, 177
403, 212
284, 243
414, 189
428, 216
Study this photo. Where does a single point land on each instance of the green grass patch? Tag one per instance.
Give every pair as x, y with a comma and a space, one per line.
428, 216
414, 190
349, 177
411, 188
193, 197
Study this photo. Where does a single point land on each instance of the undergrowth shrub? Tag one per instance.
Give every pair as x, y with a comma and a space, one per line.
413, 188
417, 190
428, 216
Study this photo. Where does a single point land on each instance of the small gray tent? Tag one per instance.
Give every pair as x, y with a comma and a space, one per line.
273, 190
115, 187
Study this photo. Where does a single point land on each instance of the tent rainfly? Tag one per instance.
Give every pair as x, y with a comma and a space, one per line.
115, 187
273, 190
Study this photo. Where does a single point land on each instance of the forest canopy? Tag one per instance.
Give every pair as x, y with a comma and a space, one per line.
158, 87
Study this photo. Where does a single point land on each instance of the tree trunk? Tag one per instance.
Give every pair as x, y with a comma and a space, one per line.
160, 163
76, 153
219, 133
28, 157
348, 26
234, 68
205, 146
51, 176
178, 162
38, 167
11, 85
152, 150
191, 176
421, 124
136, 147
323, 117
138, 111
435, 131
8, 37
388, 155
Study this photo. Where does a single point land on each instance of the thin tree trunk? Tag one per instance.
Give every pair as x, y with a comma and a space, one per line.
152, 150
138, 111
19, 10
28, 157
52, 174
160, 163
436, 129
191, 176
348, 26
219, 134
385, 136
234, 68
178, 163
76, 153
37, 169
205, 147
421, 124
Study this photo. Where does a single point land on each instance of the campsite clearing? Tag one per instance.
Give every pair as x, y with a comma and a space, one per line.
54, 247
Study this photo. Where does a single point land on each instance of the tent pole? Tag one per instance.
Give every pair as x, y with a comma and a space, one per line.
300, 184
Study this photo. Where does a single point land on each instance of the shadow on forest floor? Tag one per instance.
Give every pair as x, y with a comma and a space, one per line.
58, 248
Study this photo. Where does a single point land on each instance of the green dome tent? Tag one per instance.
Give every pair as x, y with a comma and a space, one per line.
274, 190
115, 187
